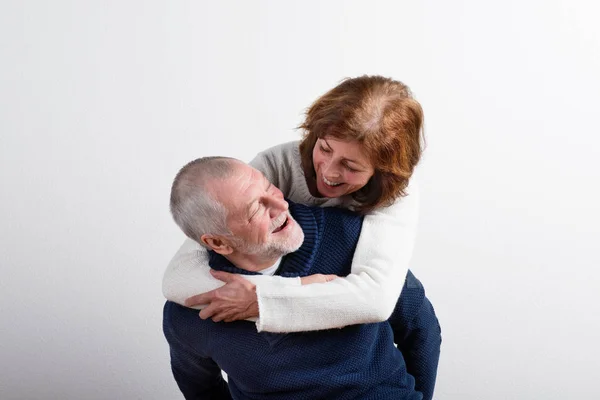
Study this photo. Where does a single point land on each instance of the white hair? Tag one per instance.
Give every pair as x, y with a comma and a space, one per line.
193, 206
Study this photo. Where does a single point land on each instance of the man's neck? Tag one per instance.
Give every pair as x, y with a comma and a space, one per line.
254, 263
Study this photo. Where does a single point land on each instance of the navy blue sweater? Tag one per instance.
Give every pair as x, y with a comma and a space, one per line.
355, 362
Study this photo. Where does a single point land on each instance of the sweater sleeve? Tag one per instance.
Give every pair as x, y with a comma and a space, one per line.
188, 274
368, 294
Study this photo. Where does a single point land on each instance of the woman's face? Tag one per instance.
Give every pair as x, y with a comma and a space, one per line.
342, 167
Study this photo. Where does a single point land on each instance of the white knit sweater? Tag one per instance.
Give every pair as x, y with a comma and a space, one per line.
368, 294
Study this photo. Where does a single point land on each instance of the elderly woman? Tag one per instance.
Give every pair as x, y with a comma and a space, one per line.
362, 142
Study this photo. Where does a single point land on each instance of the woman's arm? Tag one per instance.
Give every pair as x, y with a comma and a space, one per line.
188, 273
368, 294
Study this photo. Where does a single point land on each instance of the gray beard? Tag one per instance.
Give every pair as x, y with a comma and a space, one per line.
267, 251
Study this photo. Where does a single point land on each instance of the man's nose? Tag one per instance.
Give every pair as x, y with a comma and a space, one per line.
278, 204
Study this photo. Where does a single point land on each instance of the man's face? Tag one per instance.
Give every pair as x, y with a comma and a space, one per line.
258, 215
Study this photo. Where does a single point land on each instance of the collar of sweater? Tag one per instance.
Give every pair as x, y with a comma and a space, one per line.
294, 264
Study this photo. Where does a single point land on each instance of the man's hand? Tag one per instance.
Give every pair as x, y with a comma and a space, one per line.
234, 301
317, 278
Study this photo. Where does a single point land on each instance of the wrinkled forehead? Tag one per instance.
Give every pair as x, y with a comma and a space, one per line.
239, 189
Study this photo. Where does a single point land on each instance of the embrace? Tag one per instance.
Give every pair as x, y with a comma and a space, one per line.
301, 261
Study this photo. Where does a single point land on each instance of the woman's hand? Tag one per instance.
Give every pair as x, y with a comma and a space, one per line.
234, 301
317, 278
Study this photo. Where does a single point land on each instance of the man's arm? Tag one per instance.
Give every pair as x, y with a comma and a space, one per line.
417, 334
197, 376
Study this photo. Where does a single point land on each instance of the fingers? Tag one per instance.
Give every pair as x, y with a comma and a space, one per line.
209, 311
226, 316
223, 276
217, 318
317, 278
202, 298
307, 280
218, 315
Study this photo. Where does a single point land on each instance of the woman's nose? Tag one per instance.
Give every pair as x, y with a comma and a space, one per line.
330, 171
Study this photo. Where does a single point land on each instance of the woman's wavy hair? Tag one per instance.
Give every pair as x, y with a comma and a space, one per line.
383, 116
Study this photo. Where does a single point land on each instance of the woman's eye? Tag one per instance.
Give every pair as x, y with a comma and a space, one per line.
324, 150
351, 169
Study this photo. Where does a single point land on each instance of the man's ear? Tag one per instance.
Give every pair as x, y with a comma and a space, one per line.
217, 244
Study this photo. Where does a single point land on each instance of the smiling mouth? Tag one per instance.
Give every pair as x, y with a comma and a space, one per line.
282, 226
329, 183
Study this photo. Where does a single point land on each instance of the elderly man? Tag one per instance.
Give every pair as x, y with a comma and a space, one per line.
214, 200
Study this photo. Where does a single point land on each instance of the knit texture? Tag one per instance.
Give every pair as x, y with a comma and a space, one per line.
355, 362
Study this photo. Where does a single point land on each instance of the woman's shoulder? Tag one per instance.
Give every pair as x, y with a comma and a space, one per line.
282, 166
271, 160
407, 205
283, 150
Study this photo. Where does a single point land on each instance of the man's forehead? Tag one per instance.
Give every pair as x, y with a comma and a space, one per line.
246, 177
240, 185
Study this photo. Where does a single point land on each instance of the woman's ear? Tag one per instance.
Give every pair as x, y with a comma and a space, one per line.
217, 244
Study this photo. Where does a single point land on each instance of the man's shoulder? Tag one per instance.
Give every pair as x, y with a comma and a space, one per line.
299, 209
342, 218
330, 221
328, 212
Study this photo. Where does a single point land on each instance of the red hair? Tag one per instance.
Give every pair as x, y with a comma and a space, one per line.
383, 116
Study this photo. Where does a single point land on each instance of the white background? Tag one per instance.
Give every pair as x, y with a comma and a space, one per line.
102, 102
